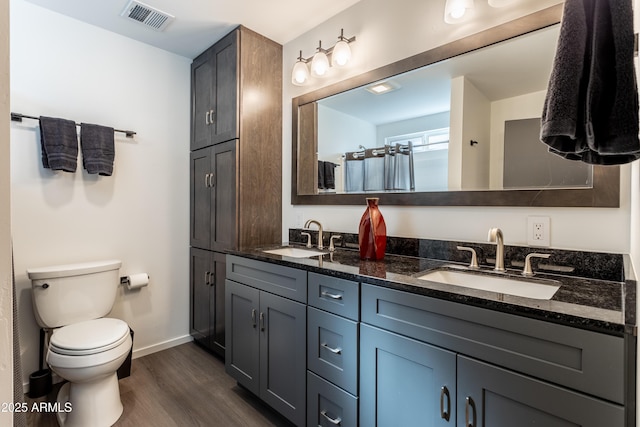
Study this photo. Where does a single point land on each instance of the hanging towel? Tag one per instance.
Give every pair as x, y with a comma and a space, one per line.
320, 175
98, 151
329, 175
591, 108
59, 142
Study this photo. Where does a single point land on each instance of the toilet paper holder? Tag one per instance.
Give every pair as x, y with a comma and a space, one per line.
135, 281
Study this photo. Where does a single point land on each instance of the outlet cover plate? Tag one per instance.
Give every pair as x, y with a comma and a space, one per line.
539, 231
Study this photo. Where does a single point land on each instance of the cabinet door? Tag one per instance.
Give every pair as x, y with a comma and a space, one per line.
217, 303
242, 356
283, 356
225, 89
404, 382
202, 79
200, 269
223, 194
200, 198
494, 397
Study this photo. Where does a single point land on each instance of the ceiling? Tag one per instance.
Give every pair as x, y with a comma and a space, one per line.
200, 23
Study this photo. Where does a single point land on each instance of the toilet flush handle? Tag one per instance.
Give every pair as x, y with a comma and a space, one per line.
44, 285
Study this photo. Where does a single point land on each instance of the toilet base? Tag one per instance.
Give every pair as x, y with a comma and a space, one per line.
92, 404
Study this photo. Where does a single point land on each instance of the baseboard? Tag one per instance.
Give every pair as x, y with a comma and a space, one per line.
136, 353
160, 346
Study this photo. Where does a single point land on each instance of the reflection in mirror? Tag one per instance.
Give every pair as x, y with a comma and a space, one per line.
435, 128
461, 130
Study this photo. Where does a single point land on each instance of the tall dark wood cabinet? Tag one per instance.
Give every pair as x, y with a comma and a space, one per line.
236, 166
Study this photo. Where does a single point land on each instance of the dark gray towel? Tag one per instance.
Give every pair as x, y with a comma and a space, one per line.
320, 175
98, 148
591, 108
59, 142
329, 175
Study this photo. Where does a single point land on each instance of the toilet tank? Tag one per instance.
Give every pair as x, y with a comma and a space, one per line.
65, 294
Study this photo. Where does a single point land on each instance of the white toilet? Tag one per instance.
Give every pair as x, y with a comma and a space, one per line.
85, 348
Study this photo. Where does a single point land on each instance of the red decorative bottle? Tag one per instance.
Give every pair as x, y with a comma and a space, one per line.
372, 233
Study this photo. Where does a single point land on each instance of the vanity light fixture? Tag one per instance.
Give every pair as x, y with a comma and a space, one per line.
456, 11
337, 56
300, 73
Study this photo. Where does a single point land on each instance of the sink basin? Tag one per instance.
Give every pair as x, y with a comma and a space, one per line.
295, 252
494, 283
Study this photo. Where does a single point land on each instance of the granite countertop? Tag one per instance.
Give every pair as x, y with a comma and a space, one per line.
606, 306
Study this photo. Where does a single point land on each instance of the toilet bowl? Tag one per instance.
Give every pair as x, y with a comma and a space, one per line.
88, 354
85, 347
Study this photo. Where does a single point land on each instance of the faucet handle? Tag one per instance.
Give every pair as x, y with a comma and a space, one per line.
331, 247
308, 238
474, 257
528, 271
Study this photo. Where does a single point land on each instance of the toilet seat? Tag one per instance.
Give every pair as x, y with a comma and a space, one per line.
89, 337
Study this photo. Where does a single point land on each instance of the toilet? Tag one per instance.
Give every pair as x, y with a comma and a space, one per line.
85, 348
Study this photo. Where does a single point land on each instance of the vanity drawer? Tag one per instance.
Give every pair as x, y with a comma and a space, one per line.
277, 279
328, 405
583, 360
338, 296
332, 348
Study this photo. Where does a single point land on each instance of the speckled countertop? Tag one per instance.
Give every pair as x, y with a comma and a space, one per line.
606, 306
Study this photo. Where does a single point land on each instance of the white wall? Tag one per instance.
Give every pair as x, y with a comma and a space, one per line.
64, 68
6, 300
389, 31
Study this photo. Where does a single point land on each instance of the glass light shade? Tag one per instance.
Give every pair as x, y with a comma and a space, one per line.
319, 64
341, 54
300, 73
457, 11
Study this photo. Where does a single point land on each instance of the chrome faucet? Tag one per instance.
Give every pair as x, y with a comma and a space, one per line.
313, 221
495, 236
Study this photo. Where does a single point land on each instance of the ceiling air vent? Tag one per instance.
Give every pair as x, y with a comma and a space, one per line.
147, 15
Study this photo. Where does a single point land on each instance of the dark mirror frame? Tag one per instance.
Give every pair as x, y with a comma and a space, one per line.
606, 179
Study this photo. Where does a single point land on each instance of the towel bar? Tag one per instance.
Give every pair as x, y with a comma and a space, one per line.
17, 117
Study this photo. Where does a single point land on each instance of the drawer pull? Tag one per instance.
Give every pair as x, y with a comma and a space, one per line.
253, 317
261, 321
330, 295
332, 350
469, 404
445, 414
334, 421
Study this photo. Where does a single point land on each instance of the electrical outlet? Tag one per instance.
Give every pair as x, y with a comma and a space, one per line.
538, 231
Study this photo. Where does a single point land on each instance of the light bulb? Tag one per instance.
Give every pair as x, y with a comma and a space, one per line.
457, 11
319, 64
300, 73
341, 54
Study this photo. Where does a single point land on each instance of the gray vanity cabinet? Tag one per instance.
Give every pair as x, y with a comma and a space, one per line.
421, 354
405, 382
332, 351
489, 396
266, 333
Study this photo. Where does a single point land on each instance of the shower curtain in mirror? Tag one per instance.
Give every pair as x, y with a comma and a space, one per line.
379, 169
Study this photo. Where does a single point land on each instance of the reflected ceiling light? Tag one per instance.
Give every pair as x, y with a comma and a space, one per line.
300, 73
340, 56
501, 3
457, 11
382, 87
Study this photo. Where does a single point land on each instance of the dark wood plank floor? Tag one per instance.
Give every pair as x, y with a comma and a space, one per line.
181, 386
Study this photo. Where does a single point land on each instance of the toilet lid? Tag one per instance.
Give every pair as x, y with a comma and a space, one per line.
89, 337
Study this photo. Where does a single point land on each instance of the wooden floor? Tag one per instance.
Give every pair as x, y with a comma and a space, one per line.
181, 386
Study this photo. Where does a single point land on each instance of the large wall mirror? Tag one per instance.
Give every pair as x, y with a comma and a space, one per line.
457, 125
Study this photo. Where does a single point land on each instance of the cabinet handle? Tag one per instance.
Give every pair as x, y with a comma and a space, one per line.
211, 115
212, 179
253, 317
206, 278
206, 179
334, 421
332, 350
261, 321
330, 295
469, 404
206, 118
445, 414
